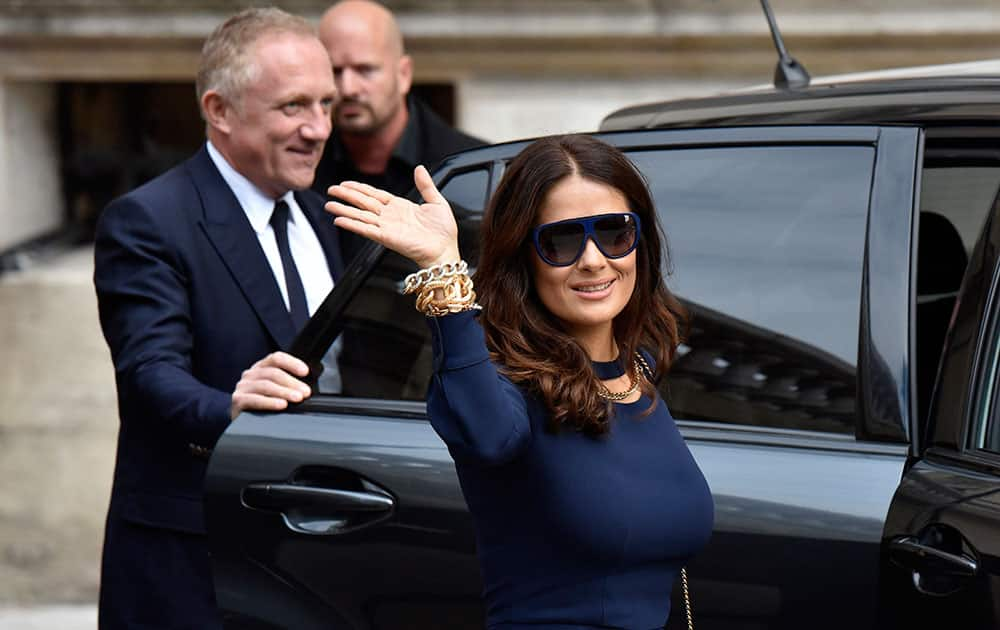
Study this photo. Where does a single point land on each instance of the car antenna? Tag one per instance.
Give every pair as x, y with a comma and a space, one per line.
789, 73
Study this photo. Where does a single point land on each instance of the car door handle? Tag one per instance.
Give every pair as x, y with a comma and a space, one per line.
310, 509
279, 496
909, 552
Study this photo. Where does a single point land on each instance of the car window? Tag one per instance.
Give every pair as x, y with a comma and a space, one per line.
767, 245
955, 199
467, 189
961, 193
466, 193
385, 345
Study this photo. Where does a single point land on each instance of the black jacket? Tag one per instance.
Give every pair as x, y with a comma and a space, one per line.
426, 140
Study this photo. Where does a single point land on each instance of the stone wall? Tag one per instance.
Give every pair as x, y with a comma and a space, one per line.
29, 165
58, 427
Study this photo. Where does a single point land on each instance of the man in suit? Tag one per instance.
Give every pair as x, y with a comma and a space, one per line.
203, 275
381, 133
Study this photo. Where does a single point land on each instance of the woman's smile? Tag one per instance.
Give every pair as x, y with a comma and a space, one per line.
594, 290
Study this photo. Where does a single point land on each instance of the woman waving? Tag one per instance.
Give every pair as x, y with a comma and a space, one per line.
586, 501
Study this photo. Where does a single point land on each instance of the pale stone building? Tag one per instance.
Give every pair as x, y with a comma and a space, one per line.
96, 95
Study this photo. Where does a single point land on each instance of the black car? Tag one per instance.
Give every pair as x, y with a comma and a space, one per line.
839, 249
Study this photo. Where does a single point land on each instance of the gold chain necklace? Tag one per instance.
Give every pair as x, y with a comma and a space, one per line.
638, 363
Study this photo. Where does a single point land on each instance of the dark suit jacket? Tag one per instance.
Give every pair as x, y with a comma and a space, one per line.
187, 302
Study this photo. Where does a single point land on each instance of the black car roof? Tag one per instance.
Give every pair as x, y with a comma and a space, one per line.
925, 101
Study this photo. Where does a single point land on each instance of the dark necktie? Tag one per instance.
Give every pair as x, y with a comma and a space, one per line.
297, 307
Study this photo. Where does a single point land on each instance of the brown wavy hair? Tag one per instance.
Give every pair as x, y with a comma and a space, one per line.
523, 337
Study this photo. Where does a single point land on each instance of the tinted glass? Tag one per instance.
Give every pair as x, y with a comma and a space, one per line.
955, 199
385, 350
561, 243
467, 189
767, 246
466, 193
615, 235
961, 193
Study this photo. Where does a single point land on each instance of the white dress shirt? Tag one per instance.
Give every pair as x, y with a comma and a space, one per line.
310, 261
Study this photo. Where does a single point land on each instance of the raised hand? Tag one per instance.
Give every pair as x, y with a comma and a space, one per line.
426, 233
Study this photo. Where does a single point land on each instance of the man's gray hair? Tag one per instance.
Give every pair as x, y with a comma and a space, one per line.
227, 63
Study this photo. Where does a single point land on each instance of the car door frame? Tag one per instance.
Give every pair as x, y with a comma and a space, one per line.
939, 518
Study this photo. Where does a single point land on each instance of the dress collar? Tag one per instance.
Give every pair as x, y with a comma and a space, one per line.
608, 369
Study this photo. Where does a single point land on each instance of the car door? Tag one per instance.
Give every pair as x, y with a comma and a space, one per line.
790, 246
942, 536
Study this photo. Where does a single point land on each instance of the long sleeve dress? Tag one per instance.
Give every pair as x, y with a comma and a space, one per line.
572, 531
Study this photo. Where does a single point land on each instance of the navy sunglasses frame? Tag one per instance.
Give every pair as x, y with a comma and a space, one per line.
588, 234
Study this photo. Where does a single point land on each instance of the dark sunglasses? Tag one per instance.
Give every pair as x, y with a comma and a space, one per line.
561, 244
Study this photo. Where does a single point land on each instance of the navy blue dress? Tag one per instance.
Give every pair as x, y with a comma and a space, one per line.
572, 531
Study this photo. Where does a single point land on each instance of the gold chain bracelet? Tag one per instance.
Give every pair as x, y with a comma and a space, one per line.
442, 289
413, 282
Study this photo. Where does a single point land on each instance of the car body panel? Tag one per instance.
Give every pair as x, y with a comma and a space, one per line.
426, 538
923, 102
885, 347
781, 497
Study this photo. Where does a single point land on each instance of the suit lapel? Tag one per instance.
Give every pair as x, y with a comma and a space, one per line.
326, 231
228, 229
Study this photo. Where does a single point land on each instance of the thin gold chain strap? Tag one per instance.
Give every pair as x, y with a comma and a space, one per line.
684, 574
687, 598
645, 366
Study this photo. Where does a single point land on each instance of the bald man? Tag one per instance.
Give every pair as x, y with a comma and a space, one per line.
380, 132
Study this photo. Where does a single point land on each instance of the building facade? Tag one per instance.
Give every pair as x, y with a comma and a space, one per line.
96, 95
